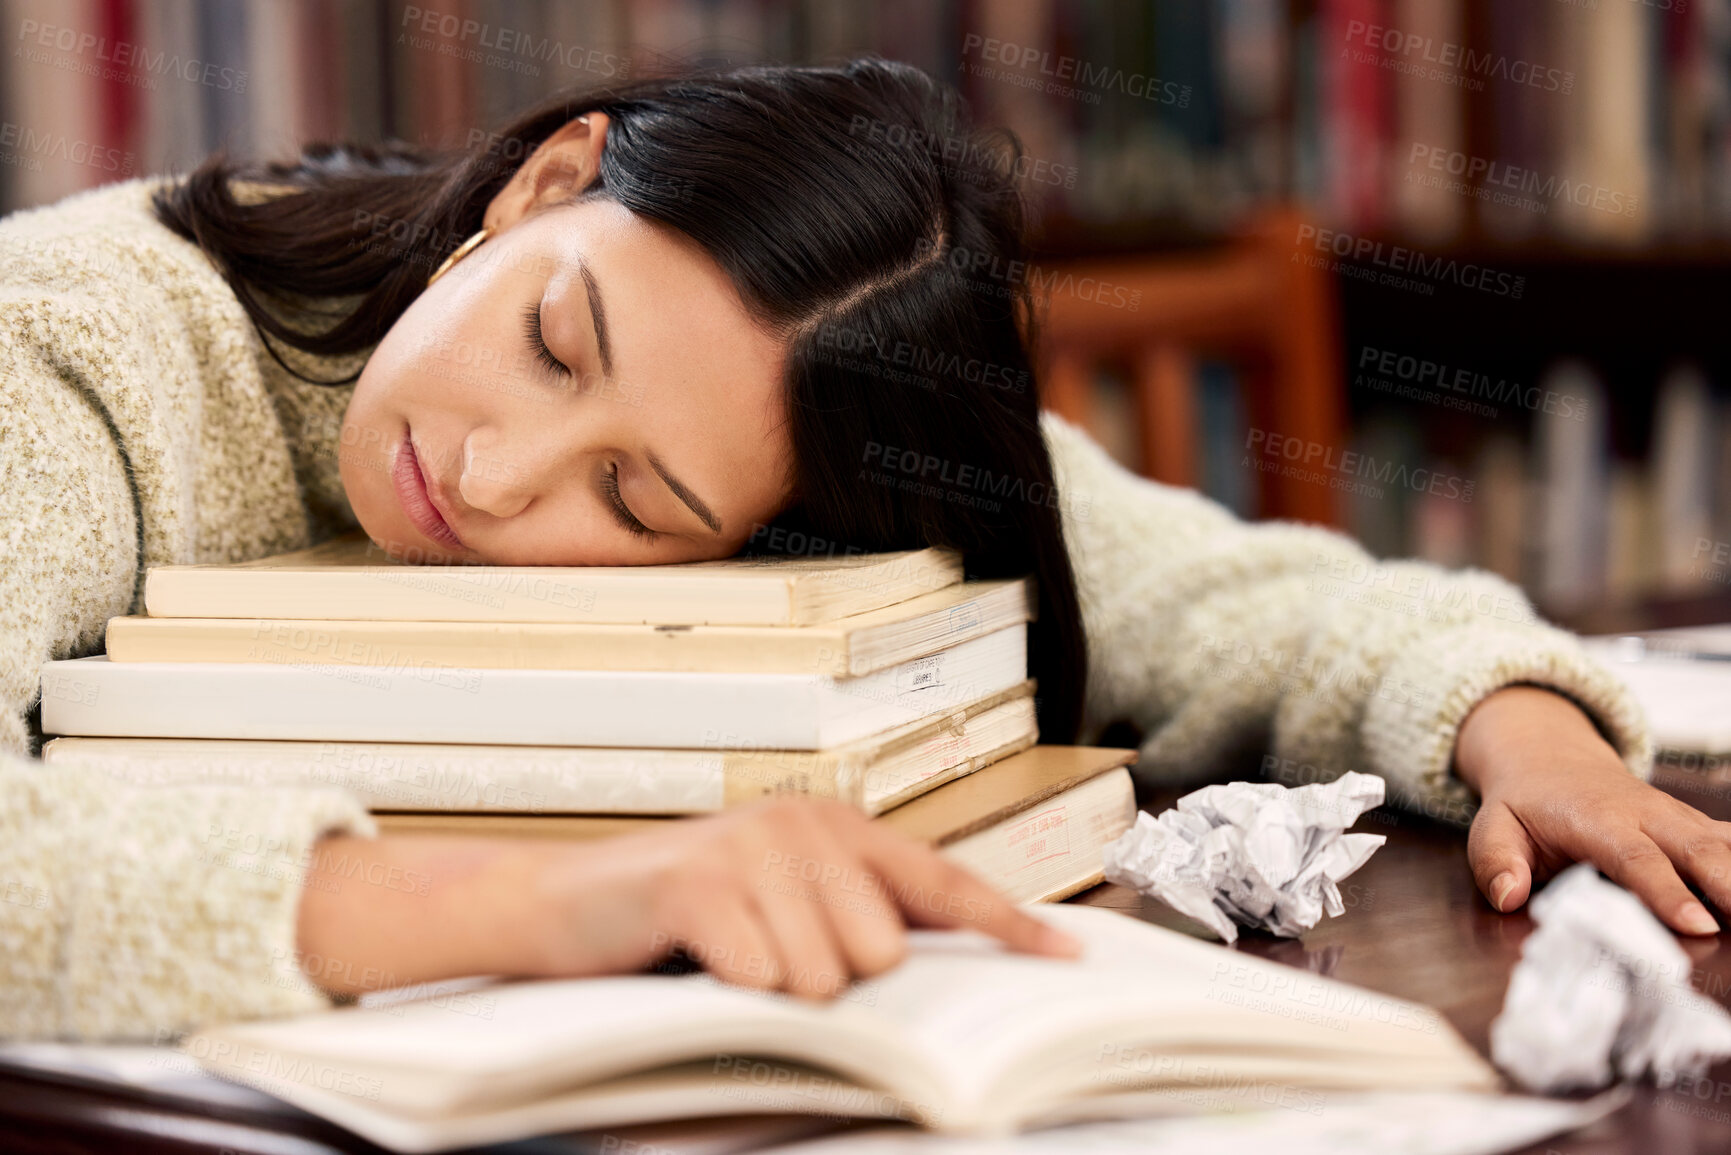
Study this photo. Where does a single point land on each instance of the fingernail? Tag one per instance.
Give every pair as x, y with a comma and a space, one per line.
1694, 918
1500, 887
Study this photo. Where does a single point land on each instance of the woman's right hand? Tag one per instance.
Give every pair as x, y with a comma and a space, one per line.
800, 896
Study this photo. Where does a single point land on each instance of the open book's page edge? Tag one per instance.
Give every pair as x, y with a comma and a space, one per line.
576, 1112
1470, 1070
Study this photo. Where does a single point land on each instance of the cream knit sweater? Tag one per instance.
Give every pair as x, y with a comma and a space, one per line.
141, 423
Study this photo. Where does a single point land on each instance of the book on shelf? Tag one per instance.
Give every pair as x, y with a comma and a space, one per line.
93, 696
1601, 127
962, 1037
350, 578
873, 773
1033, 825
859, 644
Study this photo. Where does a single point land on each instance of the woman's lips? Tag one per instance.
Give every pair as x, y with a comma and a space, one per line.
411, 486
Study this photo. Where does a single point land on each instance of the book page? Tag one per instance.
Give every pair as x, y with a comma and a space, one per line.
1010, 1031
962, 1035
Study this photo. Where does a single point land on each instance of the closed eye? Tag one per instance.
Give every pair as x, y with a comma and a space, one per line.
538, 343
622, 512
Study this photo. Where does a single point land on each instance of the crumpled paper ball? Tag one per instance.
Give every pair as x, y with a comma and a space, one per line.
1602, 986
1251, 853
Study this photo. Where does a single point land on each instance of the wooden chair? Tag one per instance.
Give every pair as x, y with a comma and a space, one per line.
1253, 302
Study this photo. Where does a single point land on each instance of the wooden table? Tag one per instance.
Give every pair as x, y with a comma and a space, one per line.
1415, 928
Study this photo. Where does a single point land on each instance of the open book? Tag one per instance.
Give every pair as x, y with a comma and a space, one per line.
962, 1037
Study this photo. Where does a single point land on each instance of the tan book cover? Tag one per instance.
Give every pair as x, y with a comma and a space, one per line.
846, 647
873, 773
349, 579
1032, 824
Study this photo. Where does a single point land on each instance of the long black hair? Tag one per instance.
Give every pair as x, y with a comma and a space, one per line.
861, 217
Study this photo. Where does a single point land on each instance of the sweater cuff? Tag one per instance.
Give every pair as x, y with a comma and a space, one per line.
187, 906
1410, 739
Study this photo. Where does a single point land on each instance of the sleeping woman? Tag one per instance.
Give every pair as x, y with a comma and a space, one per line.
656, 323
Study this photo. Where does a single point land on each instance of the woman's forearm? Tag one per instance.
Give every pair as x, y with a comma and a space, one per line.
385, 912
1517, 724
801, 896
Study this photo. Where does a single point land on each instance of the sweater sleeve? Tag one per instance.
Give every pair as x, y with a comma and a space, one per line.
125, 913
1220, 638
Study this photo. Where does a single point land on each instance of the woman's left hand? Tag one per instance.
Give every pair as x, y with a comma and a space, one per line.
1553, 792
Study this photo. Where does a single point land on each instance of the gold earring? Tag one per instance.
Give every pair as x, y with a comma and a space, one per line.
462, 251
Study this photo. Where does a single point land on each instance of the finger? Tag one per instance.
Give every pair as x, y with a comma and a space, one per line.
1702, 849
868, 926
932, 891
1501, 855
795, 914
868, 929
729, 940
1641, 867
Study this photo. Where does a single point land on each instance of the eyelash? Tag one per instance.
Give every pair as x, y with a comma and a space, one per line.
609, 480
538, 344
610, 487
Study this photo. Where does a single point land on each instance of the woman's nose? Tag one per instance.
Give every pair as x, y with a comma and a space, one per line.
494, 482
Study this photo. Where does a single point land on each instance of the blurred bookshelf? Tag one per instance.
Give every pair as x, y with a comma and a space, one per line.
1503, 231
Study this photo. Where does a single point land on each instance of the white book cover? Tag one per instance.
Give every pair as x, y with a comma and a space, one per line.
95, 697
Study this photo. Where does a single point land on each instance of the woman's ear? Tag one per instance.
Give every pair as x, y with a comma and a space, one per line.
562, 166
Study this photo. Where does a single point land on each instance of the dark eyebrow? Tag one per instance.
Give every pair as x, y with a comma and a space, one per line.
692, 501
599, 315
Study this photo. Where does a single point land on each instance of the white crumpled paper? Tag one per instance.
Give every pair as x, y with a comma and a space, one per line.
1602, 985
1256, 853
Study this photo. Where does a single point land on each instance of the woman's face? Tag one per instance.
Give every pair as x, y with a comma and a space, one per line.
651, 427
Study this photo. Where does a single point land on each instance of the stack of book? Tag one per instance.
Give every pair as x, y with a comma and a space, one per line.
582, 702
